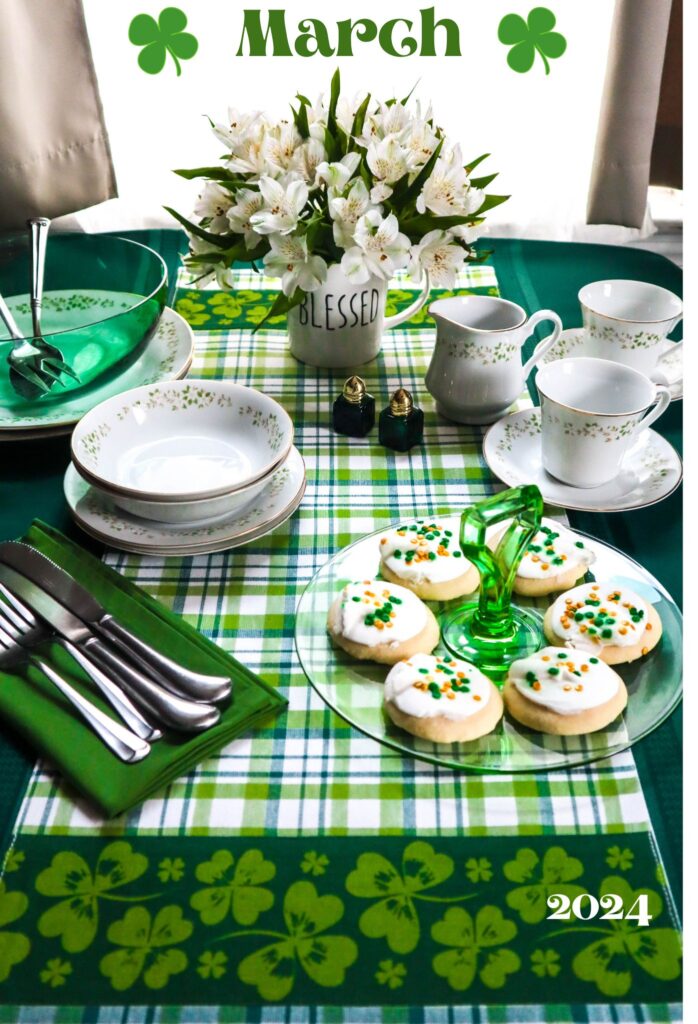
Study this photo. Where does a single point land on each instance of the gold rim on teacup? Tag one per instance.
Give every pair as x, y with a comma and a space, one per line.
628, 319
605, 363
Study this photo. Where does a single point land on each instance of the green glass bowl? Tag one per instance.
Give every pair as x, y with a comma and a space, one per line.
103, 298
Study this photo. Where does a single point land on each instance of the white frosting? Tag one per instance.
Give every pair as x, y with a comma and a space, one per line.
373, 612
423, 551
426, 686
615, 617
554, 550
567, 682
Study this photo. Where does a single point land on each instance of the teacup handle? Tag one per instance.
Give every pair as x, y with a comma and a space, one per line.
660, 403
414, 307
533, 321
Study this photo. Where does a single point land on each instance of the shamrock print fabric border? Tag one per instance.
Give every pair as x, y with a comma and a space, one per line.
334, 921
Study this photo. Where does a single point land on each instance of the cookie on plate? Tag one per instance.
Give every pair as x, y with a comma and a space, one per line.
554, 560
566, 693
377, 621
613, 622
441, 699
425, 557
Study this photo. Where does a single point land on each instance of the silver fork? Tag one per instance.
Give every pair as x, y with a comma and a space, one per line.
24, 379
121, 741
25, 629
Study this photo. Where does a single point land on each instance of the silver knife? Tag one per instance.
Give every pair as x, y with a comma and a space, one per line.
42, 571
167, 708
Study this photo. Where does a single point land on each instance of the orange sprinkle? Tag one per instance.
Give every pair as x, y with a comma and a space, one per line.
546, 657
451, 696
584, 668
583, 629
648, 626
369, 593
563, 557
378, 624
536, 685
622, 631
545, 566
535, 558
579, 688
645, 650
567, 688
475, 697
384, 540
595, 586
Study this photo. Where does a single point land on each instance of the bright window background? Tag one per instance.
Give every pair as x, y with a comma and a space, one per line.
539, 129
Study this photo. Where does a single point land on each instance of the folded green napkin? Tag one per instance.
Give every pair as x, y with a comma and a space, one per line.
35, 708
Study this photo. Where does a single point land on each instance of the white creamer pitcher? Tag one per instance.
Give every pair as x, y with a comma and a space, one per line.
476, 371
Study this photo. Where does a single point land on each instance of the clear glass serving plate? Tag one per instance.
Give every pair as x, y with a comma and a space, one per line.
354, 689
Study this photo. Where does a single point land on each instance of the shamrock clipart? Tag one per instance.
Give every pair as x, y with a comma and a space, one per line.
526, 38
158, 38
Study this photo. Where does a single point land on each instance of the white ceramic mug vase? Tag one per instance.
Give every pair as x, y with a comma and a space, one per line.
342, 324
592, 411
628, 321
476, 371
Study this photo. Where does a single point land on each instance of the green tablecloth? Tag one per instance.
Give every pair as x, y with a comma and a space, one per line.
315, 777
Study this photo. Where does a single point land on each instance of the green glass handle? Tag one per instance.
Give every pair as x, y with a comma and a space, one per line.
524, 505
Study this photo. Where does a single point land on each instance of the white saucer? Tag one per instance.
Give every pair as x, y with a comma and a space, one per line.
651, 471
166, 356
572, 342
94, 512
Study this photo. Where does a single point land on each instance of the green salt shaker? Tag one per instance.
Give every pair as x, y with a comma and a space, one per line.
401, 424
354, 412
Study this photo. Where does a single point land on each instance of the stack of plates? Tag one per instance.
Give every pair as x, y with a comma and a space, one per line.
167, 355
184, 467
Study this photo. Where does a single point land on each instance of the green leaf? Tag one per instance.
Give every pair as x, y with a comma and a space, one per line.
540, 21
521, 57
282, 304
657, 951
335, 87
123, 967
360, 116
218, 240
118, 864
523, 867
483, 182
599, 963
172, 961
170, 927
456, 928
143, 30
558, 866
418, 183
221, 174
300, 118
14, 947
475, 163
490, 202
512, 29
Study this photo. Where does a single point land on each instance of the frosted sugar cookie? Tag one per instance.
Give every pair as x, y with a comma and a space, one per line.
554, 560
425, 557
441, 699
611, 621
377, 621
566, 693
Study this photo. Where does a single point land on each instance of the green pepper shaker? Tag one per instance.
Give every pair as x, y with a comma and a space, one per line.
354, 412
401, 424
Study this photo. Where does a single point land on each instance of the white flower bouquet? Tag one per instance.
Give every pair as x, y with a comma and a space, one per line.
374, 187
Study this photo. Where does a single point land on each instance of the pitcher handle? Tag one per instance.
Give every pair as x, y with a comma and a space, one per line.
544, 346
414, 307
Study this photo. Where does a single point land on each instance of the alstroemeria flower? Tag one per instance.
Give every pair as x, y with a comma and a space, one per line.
467, 233
280, 145
247, 203
289, 260
346, 210
440, 256
387, 160
282, 206
336, 175
445, 189
213, 205
238, 127
380, 248
308, 158
381, 192
248, 156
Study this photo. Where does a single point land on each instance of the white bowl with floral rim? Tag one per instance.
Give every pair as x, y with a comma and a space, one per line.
181, 441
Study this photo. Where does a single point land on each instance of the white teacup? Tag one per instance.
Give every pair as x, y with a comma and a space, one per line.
476, 370
592, 411
627, 321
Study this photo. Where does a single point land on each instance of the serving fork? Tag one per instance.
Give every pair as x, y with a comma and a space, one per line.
120, 740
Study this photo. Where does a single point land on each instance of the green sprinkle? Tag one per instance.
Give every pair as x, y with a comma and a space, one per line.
530, 677
423, 671
395, 600
449, 533
591, 631
562, 654
553, 671
432, 556
593, 661
578, 544
534, 547
397, 553
457, 554
607, 634
356, 598
435, 691
578, 617
369, 620
558, 561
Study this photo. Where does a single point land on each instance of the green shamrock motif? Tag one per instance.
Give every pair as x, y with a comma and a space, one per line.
471, 943
193, 312
538, 881
56, 972
13, 861
526, 38
226, 306
609, 961
170, 870
324, 958
14, 947
314, 863
75, 917
146, 948
478, 869
234, 888
617, 858
158, 38
545, 963
391, 974
257, 314
212, 965
394, 917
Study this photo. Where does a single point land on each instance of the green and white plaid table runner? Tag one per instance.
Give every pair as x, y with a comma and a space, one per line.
313, 778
